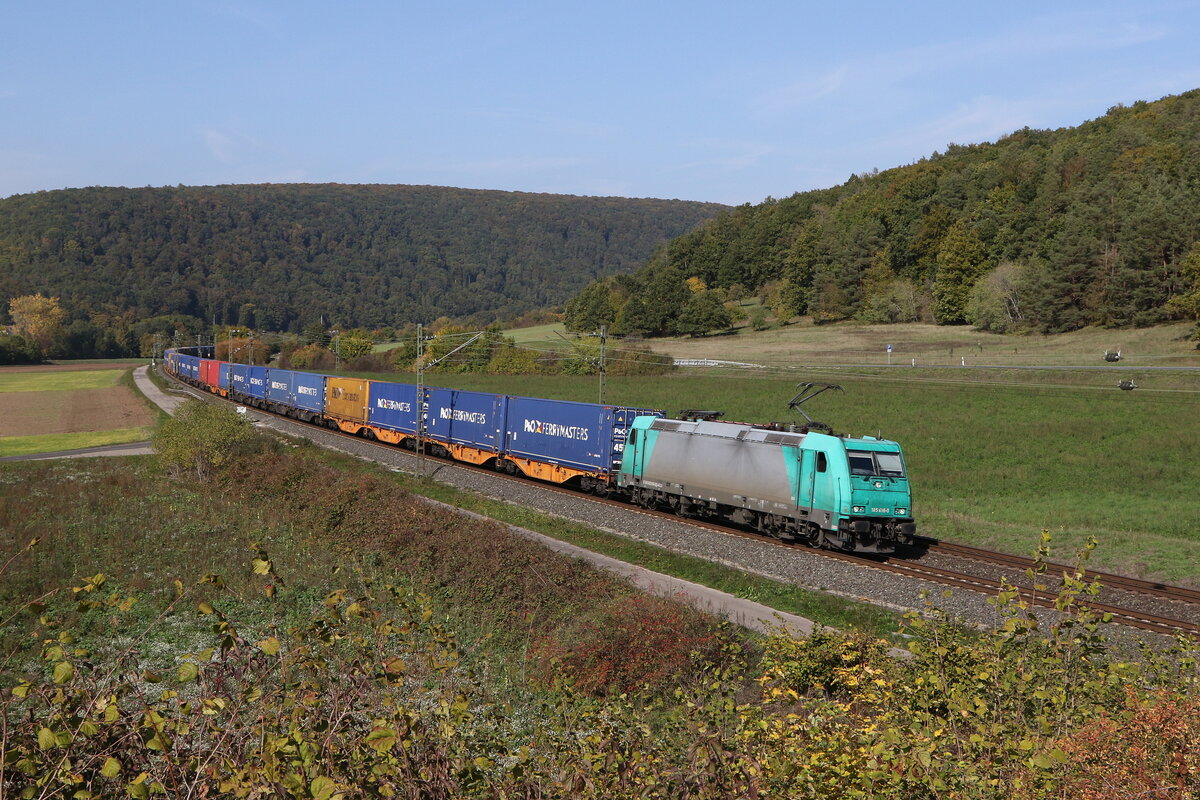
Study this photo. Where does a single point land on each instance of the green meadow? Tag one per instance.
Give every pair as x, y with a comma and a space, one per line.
65, 381
57, 442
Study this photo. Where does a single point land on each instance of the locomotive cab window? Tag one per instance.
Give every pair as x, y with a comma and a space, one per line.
888, 465
860, 463
822, 462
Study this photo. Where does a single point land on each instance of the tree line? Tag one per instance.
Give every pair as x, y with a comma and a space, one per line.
279, 257
1042, 231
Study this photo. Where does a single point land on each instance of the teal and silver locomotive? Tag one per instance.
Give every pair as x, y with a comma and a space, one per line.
826, 490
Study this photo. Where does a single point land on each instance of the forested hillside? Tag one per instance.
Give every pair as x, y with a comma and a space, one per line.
1043, 230
282, 256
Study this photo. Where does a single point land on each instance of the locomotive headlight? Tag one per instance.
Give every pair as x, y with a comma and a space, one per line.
900, 512
859, 509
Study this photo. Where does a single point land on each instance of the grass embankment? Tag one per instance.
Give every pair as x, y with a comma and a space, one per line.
325, 528
823, 608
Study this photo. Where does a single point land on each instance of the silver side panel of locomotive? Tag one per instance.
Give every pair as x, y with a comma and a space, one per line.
720, 462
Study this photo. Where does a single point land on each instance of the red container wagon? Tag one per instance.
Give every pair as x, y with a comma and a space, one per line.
210, 373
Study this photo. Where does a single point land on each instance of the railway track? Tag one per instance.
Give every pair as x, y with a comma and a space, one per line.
989, 585
1161, 591
974, 581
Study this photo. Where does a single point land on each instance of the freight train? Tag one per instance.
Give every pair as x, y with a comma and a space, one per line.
825, 490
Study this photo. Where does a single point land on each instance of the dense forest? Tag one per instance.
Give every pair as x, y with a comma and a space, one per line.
1041, 231
279, 257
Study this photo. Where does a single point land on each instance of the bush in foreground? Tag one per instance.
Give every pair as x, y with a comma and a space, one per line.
203, 437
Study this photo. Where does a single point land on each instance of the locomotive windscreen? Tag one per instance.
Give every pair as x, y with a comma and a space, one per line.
874, 463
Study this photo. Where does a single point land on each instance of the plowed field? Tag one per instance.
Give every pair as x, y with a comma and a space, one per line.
44, 401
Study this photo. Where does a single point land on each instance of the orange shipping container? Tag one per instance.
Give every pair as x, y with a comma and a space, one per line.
346, 398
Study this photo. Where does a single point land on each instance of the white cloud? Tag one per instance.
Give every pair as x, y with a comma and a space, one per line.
800, 93
977, 120
883, 76
220, 145
726, 156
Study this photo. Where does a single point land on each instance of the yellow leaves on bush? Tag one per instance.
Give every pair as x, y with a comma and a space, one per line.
63, 672
270, 645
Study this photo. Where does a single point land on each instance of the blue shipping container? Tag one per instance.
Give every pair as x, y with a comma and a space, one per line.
189, 367
584, 436
223, 375
623, 418
279, 386
256, 382
308, 391
474, 419
239, 378
392, 406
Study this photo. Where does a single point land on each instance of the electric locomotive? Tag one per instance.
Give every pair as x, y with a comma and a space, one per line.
826, 490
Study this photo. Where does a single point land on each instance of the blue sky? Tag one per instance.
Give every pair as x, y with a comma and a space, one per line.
697, 100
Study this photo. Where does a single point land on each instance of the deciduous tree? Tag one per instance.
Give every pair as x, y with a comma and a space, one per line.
37, 317
960, 262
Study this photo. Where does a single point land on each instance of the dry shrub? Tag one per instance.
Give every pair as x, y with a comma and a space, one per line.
1150, 749
510, 584
635, 641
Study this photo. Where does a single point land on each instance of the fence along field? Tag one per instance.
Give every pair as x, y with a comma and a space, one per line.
47, 409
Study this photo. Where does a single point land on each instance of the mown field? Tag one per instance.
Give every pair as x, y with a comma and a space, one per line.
47, 409
995, 455
938, 345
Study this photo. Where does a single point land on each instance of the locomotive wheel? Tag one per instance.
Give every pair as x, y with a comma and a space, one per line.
815, 537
